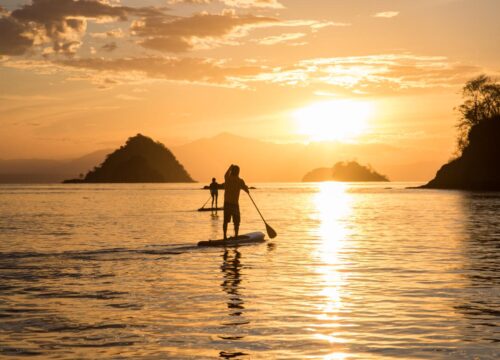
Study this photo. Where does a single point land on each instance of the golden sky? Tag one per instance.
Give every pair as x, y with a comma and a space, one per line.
78, 76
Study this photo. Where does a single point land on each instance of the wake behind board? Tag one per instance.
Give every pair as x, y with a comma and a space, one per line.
251, 238
210, 209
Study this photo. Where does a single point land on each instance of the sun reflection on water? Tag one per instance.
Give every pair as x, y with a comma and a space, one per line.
333, 204
334, 207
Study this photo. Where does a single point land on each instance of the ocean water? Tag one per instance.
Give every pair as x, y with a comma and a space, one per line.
358, 271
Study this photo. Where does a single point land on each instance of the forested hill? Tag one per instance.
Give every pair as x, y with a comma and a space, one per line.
140, 160
344, 171
477, 166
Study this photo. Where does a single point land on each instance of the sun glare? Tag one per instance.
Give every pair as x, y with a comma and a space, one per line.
341, 120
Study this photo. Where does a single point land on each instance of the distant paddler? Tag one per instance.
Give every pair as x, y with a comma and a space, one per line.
214, 192
232, 186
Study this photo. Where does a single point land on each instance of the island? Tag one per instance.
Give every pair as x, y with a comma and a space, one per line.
140, 160
344, 171
221, 187
477, 166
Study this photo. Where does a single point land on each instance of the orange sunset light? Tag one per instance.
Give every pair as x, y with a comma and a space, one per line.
340, 120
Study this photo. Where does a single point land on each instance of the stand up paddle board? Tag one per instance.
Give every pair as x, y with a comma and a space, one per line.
251, 238
210, 209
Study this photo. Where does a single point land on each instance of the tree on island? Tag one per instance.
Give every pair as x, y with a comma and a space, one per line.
477, 164
140, 160
344, 171
481, 102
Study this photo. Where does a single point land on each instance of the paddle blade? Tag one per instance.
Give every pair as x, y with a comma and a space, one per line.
270, 232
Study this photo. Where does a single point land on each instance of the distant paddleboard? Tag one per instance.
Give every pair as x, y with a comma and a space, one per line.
251, 238
210, 209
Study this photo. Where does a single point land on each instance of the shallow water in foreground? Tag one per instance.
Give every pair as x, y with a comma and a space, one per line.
357, 272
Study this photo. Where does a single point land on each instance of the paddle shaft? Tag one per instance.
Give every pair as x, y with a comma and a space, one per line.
254, 204
206, 201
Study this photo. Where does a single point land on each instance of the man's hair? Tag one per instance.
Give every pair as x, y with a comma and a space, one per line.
236, 170
213, 179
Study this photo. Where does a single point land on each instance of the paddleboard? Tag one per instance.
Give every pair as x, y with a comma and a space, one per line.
210, 209
251, 238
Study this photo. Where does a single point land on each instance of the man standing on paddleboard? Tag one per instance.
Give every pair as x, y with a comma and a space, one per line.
232, 186
214, 192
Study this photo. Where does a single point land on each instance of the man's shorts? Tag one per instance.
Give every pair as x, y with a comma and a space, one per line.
232, 211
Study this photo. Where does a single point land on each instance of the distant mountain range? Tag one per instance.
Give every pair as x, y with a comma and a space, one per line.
260, 161
48, 171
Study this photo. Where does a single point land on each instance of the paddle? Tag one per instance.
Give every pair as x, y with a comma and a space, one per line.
270, 231
206, 202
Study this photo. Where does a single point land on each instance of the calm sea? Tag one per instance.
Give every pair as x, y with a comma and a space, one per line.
358, 271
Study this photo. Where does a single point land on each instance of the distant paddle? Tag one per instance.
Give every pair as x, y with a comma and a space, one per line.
205, 203
270, 231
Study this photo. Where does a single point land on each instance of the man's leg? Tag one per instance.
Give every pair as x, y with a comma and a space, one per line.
213, 198
227, 219
236, 229
236, 220
224, 229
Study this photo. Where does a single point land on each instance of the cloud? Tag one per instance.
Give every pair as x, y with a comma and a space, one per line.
204, 30
51, 12
173, 44
51, 27
273, 40
386, 14
14, 40
114, 33
274, 4
179, 34
372, 74
61, 22
192, 70
111, 46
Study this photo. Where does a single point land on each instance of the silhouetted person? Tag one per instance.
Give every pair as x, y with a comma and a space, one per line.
214, 191
233, 185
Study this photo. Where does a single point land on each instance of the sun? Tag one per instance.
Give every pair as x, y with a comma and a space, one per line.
337, 120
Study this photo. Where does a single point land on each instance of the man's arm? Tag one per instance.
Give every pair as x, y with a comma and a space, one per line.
244, 187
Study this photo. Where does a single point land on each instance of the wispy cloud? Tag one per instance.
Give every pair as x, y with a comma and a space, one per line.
180, 34
373, 74
114, 33
273, 40
111, 46
51, 28
274, 4
107, 73
386, 14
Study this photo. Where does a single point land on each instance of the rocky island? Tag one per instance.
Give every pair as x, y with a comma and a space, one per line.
344, 171
478, 165
141, 159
